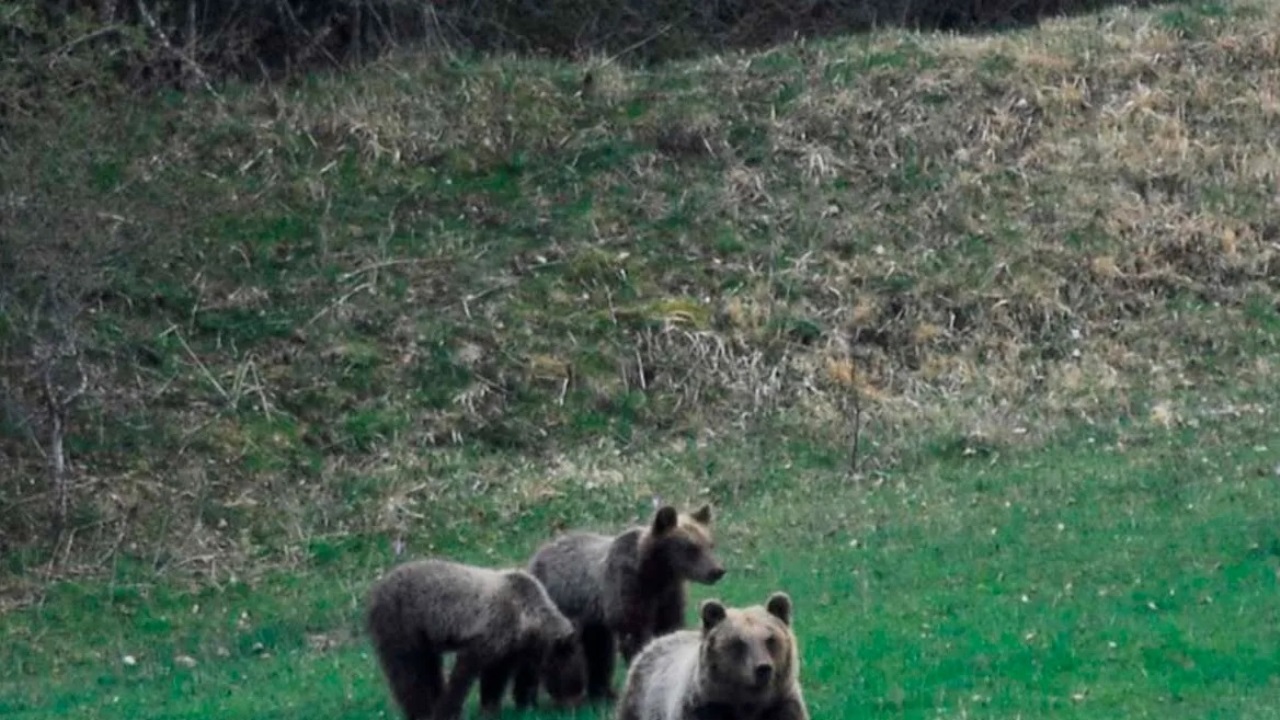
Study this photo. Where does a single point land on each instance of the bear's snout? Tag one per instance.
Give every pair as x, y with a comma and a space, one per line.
715, 573
764, 673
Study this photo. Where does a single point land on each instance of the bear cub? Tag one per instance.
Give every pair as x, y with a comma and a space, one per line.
494, 620
623, 590
742, 665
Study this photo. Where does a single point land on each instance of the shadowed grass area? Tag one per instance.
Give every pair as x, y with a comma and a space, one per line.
1120, 570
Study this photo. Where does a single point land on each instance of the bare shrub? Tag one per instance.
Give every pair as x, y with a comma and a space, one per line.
187, 43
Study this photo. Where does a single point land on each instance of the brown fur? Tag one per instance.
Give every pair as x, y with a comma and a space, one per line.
494, 620
742, 665
623, 590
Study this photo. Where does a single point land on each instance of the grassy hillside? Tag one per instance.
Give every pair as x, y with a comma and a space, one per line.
461, 303
290, 299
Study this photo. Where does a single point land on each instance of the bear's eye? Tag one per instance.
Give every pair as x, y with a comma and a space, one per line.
738, 646
771, 644
689, 550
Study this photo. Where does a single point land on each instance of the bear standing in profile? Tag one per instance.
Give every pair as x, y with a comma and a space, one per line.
742, 665
495, 620
626, 589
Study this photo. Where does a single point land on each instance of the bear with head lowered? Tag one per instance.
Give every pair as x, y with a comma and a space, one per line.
494, 621
743, 664
623, 590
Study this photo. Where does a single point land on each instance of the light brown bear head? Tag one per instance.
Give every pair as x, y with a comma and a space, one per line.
683, 543
748, 652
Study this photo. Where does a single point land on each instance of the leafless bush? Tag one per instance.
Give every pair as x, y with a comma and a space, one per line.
54, 243
187, 43
45, 378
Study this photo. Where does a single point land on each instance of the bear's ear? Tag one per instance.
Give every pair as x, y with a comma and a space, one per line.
779, 606
711, 612
664, 520
703, 515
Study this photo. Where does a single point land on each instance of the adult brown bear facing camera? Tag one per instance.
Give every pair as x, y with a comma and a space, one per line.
742, 665
623, 590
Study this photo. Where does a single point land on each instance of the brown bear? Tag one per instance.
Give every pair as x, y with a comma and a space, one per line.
621, 591
742, 665
494, 620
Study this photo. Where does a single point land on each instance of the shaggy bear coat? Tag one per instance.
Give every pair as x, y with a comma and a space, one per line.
742, 665
494, 620
622, 590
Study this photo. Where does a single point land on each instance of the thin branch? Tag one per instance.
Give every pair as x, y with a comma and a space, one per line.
59, 404
857, 418
857, 431
336, 303
187, 60
71, 44
640, 43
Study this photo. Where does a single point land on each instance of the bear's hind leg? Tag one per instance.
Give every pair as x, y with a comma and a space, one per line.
416, 680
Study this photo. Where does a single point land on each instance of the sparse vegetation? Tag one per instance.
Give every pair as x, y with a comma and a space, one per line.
456, 303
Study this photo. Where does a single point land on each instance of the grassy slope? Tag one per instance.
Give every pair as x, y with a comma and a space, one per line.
1023, 241
294, 293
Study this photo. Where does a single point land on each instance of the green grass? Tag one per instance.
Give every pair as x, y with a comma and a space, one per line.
1121, 570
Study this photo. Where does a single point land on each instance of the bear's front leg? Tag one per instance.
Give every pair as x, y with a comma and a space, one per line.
635, 631
493, 681
598, 644
525, 686
668, 612
630, 644
710, 711
792, 708
465, 670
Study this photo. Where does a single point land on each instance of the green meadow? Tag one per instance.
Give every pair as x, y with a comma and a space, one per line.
1118, 572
